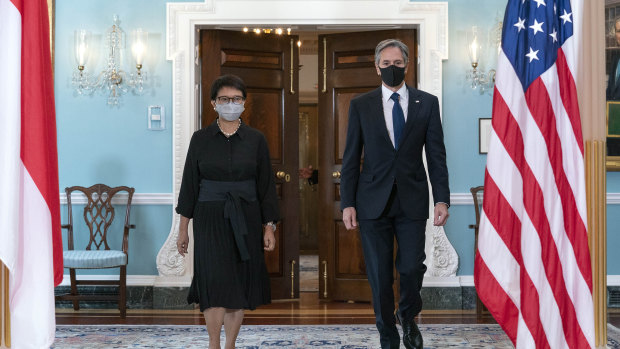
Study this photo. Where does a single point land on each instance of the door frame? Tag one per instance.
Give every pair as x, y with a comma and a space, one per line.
184, 19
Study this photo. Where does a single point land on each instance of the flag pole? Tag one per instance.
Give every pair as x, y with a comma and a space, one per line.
592, 105
6, 314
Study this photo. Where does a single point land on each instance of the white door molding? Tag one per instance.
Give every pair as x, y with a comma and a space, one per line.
184, 20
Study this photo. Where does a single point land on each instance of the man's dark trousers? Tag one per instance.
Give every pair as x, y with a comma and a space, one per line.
378, 245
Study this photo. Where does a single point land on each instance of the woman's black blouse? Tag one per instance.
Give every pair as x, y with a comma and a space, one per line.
243, 156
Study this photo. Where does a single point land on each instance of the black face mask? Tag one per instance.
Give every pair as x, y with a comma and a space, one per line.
392, 75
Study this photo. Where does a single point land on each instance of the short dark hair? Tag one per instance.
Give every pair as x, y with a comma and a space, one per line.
227, 81
392, 43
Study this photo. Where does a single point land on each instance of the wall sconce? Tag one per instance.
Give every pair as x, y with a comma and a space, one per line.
112, 80
475, 50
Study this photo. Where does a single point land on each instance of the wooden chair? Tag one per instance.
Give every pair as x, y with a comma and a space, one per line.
98, 216
477, 193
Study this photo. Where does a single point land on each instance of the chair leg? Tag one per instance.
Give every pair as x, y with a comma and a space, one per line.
74, 289
122, 301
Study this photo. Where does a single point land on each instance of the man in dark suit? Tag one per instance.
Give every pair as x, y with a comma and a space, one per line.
391, 126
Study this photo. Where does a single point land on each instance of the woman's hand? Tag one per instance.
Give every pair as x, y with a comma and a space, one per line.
183, 239
269, 238
182, 242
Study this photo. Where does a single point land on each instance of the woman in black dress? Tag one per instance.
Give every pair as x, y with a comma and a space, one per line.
228, 189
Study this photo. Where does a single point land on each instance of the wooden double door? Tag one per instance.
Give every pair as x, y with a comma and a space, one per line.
269, 66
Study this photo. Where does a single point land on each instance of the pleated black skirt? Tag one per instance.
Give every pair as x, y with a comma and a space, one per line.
221, 279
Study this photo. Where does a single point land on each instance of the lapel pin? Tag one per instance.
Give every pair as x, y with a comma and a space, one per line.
417, 101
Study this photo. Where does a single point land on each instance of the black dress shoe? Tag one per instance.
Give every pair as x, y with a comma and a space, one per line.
412, 338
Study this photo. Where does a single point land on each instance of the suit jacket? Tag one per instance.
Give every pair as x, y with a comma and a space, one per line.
368, 190
613, 86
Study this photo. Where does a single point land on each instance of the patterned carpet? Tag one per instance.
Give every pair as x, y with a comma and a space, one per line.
255, 337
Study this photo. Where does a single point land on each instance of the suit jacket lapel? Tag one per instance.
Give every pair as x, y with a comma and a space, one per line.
412, 112
376, 108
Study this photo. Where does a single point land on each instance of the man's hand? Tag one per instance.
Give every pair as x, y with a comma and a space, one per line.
441, 214
269, 239
182, 242
349, 217
305, 172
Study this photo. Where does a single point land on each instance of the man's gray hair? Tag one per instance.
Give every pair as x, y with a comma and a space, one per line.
392, 43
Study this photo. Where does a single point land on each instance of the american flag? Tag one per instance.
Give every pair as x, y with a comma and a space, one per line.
532, 269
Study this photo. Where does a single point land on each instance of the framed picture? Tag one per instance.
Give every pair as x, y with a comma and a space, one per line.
613, 135
612, 71
484, 135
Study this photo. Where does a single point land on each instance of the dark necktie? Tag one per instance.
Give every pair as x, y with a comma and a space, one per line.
398, 118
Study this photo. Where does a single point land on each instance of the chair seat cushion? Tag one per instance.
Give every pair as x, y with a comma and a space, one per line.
81, 259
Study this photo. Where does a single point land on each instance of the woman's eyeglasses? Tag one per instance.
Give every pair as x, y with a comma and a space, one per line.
226, 99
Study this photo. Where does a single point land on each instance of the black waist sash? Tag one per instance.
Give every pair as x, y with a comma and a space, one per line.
231, 193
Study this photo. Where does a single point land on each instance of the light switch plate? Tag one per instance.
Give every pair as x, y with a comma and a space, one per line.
156, 118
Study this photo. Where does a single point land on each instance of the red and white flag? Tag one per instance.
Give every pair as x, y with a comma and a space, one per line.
532, 269
30, 239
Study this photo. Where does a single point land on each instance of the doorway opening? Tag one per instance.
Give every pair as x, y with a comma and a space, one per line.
298, 97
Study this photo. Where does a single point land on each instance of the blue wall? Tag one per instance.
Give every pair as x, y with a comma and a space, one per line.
97, 143
100, 144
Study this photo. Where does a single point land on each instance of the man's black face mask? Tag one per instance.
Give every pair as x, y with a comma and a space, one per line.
392, 75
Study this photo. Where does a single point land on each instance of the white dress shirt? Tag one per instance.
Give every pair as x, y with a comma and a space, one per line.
388, 104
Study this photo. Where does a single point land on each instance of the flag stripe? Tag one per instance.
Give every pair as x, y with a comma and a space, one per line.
38, 140
31, 283
568, 91
499, 303
10, 132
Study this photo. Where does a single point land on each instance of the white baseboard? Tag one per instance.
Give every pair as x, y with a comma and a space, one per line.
613, 280
132, 280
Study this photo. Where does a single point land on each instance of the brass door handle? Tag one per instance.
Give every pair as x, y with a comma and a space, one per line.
336, 174
324, 65
293, 279
324, 278
283, 175
292, 65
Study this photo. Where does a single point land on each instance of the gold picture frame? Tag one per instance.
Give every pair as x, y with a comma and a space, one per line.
612, 117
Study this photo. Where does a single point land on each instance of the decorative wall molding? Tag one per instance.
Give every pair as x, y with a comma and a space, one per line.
467, 199
429, 281
138, 199
169, 198
613, 198
184, 20
461, 199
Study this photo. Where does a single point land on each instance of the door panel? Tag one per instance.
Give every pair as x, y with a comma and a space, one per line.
262, 103
346, 69
268, 66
